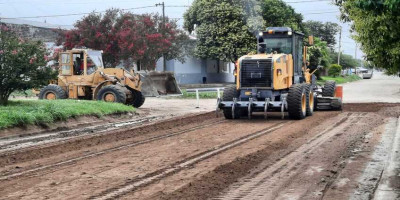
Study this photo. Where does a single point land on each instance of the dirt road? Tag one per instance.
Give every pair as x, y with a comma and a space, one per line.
202, 157
349, 154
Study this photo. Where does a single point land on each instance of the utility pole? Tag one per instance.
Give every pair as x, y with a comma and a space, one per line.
340, 45
355, 57
163, 29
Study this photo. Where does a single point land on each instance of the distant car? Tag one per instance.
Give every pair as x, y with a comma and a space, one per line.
367, 74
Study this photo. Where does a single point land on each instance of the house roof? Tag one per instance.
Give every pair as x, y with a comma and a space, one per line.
29, 22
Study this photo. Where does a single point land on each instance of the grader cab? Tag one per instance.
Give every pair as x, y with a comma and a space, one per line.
278, 79
82, 76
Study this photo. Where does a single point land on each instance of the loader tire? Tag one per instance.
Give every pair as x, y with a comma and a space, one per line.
310, 99
329, 89
230, 93
297, 101
112, 93
52, 92
138, 99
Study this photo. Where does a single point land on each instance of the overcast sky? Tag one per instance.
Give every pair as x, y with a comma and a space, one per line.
323, 11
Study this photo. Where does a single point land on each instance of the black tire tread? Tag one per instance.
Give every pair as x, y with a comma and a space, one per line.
309, 111
294, 101
228, 95
58, 91
138, 99
116, 89
329, 89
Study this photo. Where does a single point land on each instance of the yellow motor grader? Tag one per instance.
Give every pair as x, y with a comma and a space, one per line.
278, 79
82, 76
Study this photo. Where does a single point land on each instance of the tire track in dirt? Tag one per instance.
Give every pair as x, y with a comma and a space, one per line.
152, 177
12, 143
265, 184
75, 143
91, 155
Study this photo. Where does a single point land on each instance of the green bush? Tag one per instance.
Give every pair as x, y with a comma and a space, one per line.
335, 70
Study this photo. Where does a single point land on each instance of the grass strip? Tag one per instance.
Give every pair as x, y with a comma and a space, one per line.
26, 112
339, 79
202, 95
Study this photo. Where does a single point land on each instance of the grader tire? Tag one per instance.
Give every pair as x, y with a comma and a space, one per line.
230, 93
52, 92
329, 89
310, 99
138, 99
297, 101
112, 93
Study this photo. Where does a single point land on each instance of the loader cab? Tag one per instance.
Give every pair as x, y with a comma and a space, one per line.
283, 40
80, 62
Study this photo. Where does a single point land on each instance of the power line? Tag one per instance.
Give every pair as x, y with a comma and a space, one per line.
175, 6
77, 14
74, 14
57, 3
183, 6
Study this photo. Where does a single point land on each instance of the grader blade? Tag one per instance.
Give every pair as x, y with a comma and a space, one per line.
159, 84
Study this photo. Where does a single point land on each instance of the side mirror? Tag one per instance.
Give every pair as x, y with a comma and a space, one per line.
311, 40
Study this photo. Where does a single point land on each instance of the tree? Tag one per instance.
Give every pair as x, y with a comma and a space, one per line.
96, 31
346, 61
319, 56
325, 31
22, 64
226, 28
377, 26
335, 70
221, 29
368, 64
276, 13
126, 38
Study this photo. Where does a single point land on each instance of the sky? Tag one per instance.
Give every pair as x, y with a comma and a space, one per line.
319, 10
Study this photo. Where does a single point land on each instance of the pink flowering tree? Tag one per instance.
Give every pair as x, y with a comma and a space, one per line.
22, 64
127, 38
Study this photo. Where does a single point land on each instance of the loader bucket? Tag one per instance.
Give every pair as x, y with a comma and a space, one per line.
159, 84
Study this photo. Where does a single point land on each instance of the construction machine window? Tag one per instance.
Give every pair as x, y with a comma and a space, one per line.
91, 66
78, 63
94, 61
95, 56
65, 59
65, 64
299, 42
279, 45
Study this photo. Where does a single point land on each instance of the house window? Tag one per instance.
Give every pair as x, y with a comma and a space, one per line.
224, 67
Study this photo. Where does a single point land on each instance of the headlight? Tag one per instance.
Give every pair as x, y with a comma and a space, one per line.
260, 33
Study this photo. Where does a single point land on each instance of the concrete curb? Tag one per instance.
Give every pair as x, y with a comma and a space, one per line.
388, 187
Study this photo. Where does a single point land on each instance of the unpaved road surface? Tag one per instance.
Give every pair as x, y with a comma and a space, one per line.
349, 154
204, 157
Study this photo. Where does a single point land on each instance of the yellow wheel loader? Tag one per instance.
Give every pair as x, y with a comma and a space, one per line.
82, 76
277, 79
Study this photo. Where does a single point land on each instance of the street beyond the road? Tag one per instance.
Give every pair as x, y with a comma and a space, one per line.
381, 88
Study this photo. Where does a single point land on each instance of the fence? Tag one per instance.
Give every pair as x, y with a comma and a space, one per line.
197, 90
